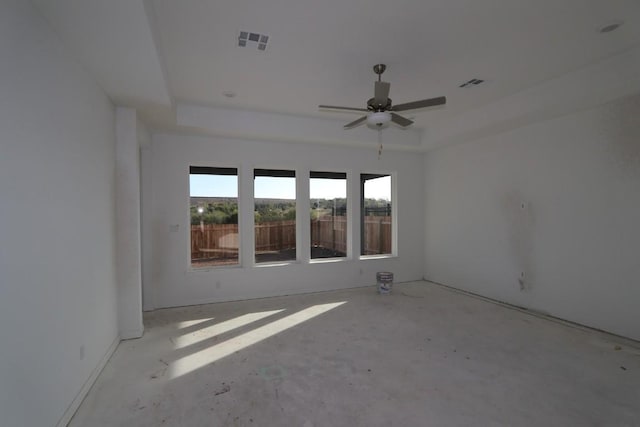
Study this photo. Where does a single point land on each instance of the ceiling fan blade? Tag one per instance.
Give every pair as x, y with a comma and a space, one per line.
333, 107
441, 100
355, 122
399, 120
381, 93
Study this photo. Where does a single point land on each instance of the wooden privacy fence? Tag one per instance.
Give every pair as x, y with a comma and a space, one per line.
377, 235
275, 236
330, 232
214, 241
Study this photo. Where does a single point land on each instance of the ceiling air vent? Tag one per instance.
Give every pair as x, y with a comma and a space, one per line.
472, 82
247, 38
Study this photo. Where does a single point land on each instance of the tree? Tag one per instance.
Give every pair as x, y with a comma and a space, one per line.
215, 213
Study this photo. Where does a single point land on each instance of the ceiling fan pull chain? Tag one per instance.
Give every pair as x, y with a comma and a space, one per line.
379, 143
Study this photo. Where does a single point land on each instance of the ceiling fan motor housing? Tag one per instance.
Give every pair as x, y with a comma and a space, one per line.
372, 105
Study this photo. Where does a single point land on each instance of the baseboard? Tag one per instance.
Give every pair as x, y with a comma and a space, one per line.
632, 342
129, 334
71, 410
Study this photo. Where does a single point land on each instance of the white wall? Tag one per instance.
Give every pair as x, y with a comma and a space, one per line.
174, 284
128, 254
57, 220
559, 201
145, 218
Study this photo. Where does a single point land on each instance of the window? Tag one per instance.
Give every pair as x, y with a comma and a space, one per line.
328, 194
214, 216
376, 221
275, 215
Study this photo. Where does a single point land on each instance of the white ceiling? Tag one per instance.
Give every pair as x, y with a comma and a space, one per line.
148, 53
113, 40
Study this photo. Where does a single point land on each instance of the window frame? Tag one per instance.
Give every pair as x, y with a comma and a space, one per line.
202, 168
324, 174
363, 177
282, 173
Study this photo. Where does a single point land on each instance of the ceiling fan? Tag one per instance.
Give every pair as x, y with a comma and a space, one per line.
380, 109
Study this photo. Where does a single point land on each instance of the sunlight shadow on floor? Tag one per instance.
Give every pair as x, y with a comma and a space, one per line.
221, 328
211, 354
187, 323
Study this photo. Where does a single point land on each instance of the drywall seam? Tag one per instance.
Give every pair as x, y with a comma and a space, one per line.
84, 390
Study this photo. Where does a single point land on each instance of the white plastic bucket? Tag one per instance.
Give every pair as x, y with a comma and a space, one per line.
385, 282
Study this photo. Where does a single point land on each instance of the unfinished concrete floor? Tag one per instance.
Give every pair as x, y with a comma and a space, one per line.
422, 356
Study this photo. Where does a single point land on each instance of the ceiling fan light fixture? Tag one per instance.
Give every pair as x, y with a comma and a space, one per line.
379, 118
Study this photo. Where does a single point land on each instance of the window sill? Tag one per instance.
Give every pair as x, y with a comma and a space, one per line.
381, 256
328, 260
276, 264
